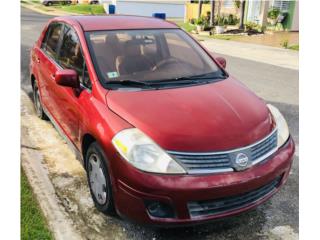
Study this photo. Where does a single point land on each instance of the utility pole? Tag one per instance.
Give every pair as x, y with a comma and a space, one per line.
242, 8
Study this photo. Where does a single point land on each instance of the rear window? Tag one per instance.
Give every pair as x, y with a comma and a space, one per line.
147, 55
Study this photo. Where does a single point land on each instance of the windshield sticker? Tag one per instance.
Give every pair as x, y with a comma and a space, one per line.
113, 74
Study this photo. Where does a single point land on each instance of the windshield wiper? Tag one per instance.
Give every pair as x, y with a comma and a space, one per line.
189, 79
202, 76
128, 82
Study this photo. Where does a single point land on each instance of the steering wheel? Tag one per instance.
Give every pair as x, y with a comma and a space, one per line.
165, 62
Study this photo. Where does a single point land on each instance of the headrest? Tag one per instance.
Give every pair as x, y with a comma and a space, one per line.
132, 48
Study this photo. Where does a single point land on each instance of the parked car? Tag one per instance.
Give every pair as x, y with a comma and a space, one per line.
52, 2
165, 134
89, 1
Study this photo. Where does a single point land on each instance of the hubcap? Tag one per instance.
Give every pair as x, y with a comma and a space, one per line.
97, 179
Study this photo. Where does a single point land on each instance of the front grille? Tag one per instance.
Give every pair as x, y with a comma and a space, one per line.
217, 206
205, 163
215, 162
261, 149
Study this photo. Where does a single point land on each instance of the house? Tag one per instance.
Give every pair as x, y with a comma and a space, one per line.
255, 10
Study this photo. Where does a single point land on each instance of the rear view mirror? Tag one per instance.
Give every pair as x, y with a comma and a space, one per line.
67, 78
222, 61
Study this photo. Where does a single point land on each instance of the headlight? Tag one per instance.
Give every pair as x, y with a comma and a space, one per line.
144, 154
282, 126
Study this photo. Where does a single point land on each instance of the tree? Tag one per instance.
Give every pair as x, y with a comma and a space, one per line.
199, 8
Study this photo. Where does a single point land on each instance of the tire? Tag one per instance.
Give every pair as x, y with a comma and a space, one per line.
99, 179
37, 102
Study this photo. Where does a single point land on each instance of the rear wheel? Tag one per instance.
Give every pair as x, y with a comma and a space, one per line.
37, 102
99, 179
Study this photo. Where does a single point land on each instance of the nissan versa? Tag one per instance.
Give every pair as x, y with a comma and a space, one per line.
165, 134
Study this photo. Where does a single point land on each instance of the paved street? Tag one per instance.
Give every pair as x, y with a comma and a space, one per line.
277, 218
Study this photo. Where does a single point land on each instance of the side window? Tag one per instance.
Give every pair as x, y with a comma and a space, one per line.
71, 56
45, 38
52, 39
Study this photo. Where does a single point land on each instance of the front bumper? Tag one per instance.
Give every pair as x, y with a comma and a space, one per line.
132, 188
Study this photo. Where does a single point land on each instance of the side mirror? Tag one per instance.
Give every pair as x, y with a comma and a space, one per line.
222, 61
67, 78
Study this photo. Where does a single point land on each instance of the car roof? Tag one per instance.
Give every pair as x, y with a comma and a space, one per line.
117, 22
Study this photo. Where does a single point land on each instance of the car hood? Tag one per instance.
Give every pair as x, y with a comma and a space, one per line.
211, 117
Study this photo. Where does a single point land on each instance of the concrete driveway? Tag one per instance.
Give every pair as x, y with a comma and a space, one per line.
276, 219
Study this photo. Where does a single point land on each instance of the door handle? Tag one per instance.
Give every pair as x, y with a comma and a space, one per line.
53, 76
38, 60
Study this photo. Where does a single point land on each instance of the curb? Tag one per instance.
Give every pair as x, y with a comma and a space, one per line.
53, 13
31, 160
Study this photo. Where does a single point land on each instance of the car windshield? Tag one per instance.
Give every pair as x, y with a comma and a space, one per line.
149, 56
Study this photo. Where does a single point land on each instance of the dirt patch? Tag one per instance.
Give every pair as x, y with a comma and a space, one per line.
67, 176
283, 233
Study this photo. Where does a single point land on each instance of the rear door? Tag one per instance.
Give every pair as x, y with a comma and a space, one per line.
47, 60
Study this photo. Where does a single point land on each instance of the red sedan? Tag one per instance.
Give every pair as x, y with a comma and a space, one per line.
165, 134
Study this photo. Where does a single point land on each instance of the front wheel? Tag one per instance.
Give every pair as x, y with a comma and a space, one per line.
99, 179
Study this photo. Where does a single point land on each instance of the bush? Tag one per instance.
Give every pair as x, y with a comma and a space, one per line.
252, 26
273, 13
232, 19
285, 43
193, 21
200, 21
220, 21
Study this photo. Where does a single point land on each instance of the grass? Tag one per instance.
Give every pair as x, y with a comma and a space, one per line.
82, 8
33, 223
294, 47
186, 26
222, 37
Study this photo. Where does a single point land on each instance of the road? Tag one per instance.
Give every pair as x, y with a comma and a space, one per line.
276, 218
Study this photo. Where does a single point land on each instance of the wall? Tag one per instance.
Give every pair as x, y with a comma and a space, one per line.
144, 8
295, 21
192, 10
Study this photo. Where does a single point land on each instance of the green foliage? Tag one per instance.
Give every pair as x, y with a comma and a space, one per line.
95, 9
226, 20
237, 3
232, 19
273, 13
220, 21
199, 21
249, 26
294, 47
188, 27
285, 43
33, 223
